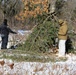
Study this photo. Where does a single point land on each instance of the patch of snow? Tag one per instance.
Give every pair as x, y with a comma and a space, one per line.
37, 68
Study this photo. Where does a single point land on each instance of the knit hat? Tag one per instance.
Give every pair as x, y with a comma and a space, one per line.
60, 21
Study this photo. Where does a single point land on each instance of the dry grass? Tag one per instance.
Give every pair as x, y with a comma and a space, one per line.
20, 55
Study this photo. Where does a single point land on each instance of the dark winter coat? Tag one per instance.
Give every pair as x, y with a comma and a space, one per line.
4, 30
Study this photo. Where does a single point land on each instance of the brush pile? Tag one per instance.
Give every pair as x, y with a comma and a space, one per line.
42, 37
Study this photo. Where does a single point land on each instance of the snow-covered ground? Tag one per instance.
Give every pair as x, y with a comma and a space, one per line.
37, 68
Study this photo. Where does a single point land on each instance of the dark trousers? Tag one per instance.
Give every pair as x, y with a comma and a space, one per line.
4, 42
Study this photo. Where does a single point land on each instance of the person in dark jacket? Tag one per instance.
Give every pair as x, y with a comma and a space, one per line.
4, 31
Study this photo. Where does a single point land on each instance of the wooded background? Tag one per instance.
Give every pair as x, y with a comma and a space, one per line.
27, 13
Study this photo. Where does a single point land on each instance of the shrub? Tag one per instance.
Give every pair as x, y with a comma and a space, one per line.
41, 39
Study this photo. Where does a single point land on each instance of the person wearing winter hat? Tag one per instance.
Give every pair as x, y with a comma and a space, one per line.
62, 35
4, 31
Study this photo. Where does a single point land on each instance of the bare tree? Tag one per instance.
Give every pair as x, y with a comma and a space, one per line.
10, 7
51, 4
